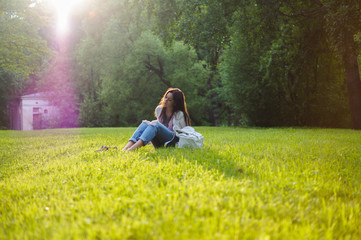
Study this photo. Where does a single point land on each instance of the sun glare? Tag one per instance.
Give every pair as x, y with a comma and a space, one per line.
62, 16
63, 9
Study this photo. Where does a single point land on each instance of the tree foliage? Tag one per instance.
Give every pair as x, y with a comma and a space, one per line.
124, 69
257, 62
286, 70
23, 51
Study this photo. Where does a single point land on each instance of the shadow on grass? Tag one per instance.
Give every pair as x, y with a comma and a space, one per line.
222, 163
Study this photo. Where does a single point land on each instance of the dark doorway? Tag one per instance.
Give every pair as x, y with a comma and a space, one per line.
37, 121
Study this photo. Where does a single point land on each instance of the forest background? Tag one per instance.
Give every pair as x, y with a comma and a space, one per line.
252, 63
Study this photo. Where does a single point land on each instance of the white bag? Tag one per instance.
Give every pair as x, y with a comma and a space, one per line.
188, 137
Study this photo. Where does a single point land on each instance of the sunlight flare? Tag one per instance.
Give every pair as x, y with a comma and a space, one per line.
63, 9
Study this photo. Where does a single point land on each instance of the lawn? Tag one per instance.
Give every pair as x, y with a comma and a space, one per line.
246, 183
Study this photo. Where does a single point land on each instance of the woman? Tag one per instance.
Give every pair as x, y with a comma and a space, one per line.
171, 115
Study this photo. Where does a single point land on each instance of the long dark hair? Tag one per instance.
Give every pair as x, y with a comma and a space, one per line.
179, 103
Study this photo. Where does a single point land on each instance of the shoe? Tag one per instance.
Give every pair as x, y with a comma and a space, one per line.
172, 142
103, 148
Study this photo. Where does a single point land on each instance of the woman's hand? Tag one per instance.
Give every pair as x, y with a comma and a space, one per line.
152, 122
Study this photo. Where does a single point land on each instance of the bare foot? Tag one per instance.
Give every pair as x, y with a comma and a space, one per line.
129, 144
136, 145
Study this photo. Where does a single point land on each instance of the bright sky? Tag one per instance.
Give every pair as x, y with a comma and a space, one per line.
63, 9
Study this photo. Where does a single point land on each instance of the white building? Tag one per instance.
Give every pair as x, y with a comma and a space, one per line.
32, 112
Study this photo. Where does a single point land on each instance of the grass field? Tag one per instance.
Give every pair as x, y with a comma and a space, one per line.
246, 183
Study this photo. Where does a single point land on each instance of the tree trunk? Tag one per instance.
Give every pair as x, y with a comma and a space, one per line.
210, 98
352, 78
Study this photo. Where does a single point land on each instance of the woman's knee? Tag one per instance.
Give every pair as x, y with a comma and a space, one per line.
158, 124
144, 125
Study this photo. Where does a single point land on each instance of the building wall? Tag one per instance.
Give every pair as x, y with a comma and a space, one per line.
31, 107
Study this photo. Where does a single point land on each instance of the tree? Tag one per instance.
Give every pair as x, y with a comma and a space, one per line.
145, 73
22, 49
108, 33
341, 20
253, 99
282, 68
119, 61
343, 23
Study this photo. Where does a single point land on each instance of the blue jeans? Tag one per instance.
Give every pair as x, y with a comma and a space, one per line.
156, 132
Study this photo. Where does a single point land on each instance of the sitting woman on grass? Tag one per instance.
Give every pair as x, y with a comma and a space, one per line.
171, 115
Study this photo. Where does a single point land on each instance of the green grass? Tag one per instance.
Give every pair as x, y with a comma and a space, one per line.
295, 184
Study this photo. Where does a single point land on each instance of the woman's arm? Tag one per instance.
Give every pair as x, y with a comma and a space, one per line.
158, 111
178, 121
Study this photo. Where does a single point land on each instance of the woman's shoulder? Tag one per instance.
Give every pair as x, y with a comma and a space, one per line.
179, 115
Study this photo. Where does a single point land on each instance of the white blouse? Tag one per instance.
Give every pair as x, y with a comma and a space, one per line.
178, 118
